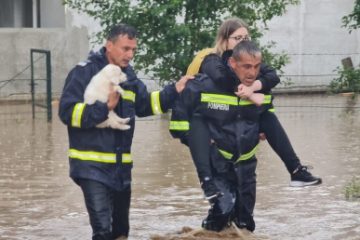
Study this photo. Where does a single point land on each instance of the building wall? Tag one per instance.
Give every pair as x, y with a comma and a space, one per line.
50, 14
312, 35
68, 45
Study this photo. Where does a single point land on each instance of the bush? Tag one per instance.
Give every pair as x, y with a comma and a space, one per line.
352, 189
348, 80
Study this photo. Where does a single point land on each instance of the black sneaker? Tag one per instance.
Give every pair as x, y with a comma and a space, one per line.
301, 178
211, 191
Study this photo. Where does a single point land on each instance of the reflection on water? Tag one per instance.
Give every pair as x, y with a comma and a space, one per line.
39, 201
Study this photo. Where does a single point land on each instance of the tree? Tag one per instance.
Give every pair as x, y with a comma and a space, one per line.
349, 77
172, 31
352, 21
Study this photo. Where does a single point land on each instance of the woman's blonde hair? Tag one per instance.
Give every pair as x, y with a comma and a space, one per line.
227, 28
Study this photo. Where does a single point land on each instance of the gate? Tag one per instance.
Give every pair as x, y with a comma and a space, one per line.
37, 97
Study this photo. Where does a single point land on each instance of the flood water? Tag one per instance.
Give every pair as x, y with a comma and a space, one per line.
39, 201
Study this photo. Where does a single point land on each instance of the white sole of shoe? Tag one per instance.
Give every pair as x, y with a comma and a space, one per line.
303, 184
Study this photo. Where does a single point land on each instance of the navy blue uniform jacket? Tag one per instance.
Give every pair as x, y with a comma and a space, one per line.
104, 154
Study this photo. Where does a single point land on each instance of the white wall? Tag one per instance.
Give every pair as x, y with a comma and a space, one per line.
68, 46
83, 21
51, 14
311, 33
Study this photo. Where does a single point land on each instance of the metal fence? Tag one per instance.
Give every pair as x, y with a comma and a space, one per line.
28, 93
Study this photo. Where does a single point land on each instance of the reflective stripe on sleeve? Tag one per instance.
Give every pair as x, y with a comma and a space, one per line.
129, 95
92, 156
126, 158
267, 99
179, 125
77, 114
155, 103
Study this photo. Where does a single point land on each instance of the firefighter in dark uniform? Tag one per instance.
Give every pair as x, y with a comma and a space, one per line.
223, 138
100, 158
231, 32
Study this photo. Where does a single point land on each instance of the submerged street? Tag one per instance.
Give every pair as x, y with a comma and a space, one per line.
39, 201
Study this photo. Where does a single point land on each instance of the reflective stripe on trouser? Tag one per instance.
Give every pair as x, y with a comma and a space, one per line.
102, 157
243, 157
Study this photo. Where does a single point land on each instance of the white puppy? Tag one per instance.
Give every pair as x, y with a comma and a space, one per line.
99, 89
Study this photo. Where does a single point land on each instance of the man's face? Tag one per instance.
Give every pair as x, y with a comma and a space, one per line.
247, 68
122, 51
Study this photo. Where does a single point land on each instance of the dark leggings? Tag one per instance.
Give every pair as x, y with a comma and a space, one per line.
199, 143
278, 140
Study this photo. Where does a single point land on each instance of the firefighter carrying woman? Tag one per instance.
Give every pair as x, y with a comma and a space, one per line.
218, 117
223, 137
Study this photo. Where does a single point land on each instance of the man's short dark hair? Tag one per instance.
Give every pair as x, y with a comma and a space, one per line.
121, 29
247, 47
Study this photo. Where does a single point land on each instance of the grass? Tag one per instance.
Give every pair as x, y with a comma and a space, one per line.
352, 189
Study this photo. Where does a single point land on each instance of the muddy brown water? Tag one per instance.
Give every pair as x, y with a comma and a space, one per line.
39, 201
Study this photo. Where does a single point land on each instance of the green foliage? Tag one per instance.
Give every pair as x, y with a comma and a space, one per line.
352, 21
172, 31
348, 80
277, 60
352, 189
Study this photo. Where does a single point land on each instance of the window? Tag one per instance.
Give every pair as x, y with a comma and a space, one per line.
31, 13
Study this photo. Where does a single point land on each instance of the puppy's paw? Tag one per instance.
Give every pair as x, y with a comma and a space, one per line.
124, 127
125, 120
122, 77
119, 89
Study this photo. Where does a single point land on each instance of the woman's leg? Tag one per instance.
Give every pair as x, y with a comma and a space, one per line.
199, 144
280, 143
278, 140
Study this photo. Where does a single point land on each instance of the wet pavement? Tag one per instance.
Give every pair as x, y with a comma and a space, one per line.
39, 201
